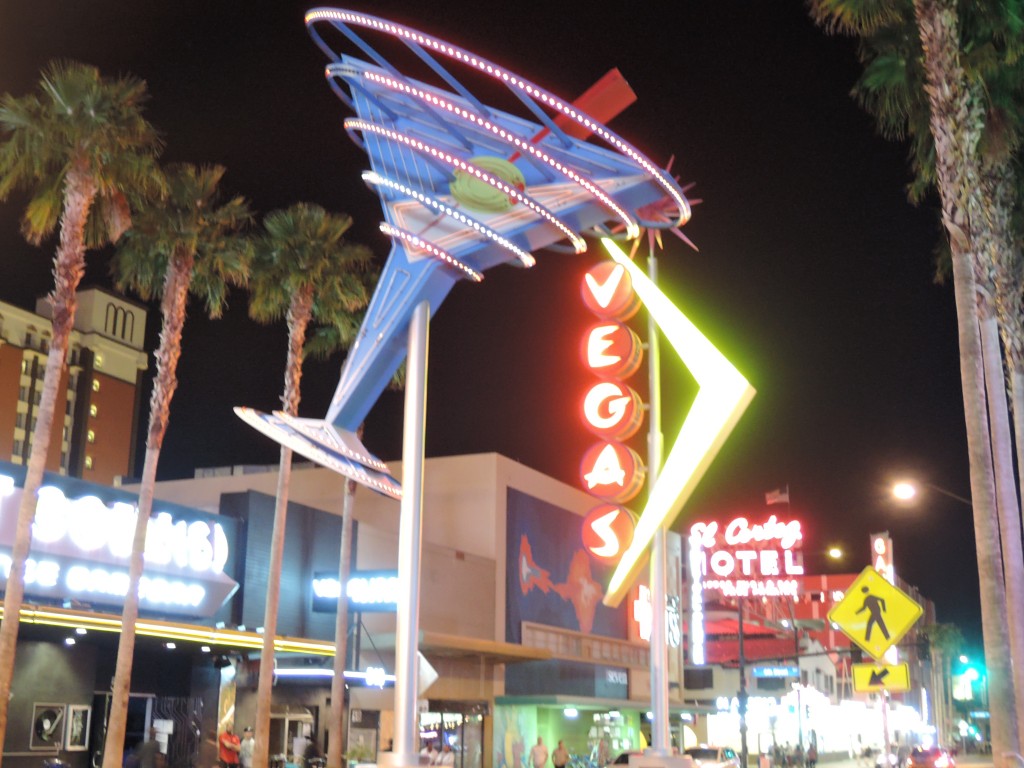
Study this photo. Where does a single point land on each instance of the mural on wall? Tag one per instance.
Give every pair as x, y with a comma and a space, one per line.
554, 581
512, 727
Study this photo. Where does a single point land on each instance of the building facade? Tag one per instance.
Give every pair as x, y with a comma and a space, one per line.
515, 639
94, 431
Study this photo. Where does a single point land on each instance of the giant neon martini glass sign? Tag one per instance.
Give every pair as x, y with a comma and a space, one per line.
465, 187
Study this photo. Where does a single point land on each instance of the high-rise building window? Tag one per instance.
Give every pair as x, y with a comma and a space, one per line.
24, 366
18, 446
94, 410
23, 394
99, 360
68, 407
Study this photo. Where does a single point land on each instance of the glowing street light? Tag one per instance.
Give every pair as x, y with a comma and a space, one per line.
907, 490
904, 491
835, 553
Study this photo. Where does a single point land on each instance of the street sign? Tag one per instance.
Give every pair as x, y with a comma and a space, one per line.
894, 678
776, 670
874, 613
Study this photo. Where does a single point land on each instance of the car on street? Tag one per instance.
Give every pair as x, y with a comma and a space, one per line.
713, 757
932, 757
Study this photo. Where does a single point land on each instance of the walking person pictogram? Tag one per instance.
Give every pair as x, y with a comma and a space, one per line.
875, 606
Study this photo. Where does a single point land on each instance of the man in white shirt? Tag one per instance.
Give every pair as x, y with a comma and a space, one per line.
447, 757
539, 754
246, 748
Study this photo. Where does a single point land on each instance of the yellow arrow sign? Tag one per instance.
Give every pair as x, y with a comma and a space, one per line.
894, 678
875, 614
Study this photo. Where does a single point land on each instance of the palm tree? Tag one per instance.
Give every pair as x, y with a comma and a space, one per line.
949, 155
186, 244
303, 270
77, 146
944, 642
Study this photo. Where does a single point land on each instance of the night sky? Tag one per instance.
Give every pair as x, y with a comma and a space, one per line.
814, 274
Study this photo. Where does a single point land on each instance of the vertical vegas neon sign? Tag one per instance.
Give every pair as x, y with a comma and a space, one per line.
611, 410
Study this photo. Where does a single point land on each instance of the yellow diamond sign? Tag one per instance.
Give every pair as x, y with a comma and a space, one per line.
874, 613
894, 678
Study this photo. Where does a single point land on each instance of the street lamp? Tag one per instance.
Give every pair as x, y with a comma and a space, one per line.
907, 490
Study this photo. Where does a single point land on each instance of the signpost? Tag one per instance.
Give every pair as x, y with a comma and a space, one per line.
876, 614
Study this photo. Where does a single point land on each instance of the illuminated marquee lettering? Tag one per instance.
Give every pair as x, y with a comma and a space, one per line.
81, 580
612, 350
608, 291
739, 531
643, 615
882, 560
745, 560
598, 345
612, 410
696, 601
366, 591
90, 525
81, 544
606, 531
612, 471
43, 573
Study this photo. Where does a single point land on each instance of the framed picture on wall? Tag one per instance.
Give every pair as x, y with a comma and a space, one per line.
47, 727
76, 732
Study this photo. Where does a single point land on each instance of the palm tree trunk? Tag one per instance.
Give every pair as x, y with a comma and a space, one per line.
336, 726
1007, 503
955, 122
175, 297
299, 314
999, 190
68, 268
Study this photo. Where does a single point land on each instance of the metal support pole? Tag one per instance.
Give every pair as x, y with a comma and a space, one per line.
885, 727
661, 743
410, 543
799, 682
744, 751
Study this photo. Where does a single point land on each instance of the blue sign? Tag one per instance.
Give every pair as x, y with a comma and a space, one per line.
366, 591
777, 671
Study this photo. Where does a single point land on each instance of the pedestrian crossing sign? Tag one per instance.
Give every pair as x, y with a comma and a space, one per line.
874, 613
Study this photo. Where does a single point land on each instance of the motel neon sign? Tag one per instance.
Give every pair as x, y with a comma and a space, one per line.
741, 559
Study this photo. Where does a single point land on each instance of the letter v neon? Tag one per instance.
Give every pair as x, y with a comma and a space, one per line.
604, 292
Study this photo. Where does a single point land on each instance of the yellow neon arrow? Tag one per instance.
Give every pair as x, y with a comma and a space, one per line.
723, 396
